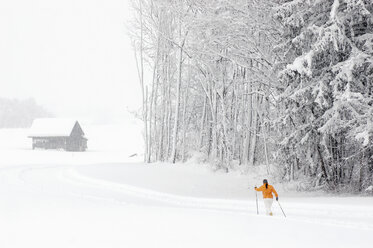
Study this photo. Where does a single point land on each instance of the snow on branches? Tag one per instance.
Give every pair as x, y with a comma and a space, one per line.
328, 90
260, 82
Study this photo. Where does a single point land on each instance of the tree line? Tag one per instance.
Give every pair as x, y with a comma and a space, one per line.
16, 113
284, 84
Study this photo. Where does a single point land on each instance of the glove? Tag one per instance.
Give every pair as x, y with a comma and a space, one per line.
277, 198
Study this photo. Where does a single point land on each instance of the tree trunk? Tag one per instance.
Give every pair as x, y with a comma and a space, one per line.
246, 147
254, 136
201, 133
177, 105
184, 124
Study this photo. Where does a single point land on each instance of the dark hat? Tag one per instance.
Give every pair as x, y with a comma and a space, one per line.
265, 181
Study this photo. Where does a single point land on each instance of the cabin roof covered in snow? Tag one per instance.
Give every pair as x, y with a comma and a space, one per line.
52, 127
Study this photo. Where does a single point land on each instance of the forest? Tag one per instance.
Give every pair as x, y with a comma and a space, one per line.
283, 84
19, 113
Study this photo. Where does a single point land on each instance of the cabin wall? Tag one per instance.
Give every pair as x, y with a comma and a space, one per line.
49, 142
77, 131
64, 143
78, 144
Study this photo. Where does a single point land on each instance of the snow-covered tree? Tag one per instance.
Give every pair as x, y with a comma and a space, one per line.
212, 81
256, 82
326, 91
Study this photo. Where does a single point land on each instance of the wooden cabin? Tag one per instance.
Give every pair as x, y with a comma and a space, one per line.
52, 133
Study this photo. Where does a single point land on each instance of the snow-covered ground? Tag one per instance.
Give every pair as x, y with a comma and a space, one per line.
103, 198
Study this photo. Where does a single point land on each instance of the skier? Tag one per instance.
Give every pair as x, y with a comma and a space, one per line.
267, 191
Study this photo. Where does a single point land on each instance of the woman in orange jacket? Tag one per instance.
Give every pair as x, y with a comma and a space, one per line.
268, 191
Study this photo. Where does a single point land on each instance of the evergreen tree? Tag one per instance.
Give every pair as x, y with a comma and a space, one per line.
326, 92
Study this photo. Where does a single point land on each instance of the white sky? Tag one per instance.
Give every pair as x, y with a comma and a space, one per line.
72, 56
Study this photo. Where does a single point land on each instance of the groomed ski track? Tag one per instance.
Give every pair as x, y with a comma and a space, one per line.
312, 224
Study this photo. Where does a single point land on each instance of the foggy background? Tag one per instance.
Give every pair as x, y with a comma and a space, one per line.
73, 57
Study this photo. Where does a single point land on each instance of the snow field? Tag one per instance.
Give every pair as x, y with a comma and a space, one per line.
102, 198
85, 212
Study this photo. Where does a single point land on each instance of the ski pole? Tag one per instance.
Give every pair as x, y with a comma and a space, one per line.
256, 196
281, 209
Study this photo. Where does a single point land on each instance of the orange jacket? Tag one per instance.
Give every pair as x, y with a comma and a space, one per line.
267, 192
